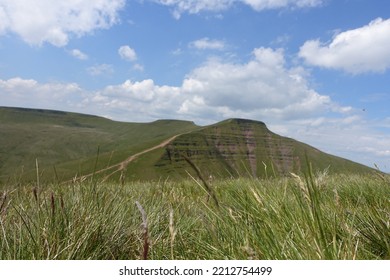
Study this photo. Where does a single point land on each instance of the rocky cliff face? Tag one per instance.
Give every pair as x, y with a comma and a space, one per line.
235, 147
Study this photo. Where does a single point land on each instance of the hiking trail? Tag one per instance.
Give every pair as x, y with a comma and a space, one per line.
121, 166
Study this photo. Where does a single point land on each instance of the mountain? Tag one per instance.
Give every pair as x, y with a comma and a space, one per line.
63, 145
238, 147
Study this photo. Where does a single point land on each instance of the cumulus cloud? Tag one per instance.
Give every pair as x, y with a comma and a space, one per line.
30, 93
263, 86
208, 44
139, 100
78, 54
127, 53
364, 49
194, 7
40, 21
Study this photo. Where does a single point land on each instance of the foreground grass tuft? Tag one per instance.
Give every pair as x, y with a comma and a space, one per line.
317, 217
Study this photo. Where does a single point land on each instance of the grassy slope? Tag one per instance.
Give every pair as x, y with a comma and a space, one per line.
320, 217
70, 141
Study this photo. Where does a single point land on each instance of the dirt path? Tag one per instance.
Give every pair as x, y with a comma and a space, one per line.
124, 163
119, 167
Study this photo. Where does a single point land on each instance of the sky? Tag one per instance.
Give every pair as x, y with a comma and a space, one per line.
314, 70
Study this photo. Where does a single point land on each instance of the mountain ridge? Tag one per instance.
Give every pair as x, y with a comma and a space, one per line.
70, 145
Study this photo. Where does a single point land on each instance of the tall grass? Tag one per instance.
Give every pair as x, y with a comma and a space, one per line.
319, 216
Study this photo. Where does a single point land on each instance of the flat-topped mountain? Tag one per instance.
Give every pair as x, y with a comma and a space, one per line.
239, 147
67, 145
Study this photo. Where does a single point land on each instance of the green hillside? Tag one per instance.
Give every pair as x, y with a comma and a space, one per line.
71, 142
69, 145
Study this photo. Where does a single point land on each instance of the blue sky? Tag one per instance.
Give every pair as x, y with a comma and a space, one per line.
314, 70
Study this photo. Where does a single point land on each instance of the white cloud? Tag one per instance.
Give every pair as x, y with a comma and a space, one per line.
140, 100
100, 69
351, 137
194, 7
208, 44
364, 49
29, 93
141, 91
78, 54
261, 87
127, 53
40, 21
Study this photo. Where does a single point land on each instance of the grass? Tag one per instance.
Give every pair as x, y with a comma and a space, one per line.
319, 216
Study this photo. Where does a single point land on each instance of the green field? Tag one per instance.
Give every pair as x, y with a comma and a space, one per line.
320, 216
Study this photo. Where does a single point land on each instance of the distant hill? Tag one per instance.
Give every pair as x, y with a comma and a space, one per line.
69, 145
